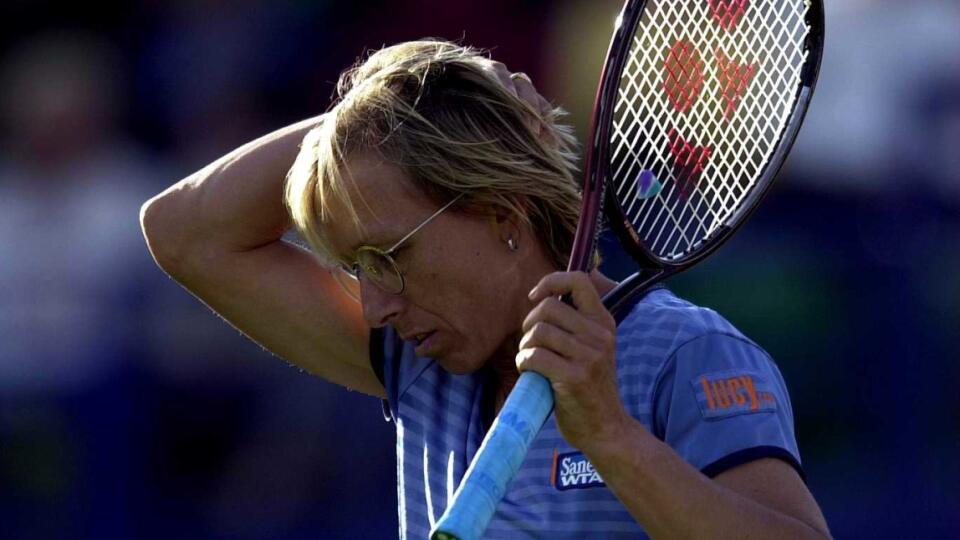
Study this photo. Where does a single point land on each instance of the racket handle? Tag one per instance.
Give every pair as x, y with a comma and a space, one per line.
497, 460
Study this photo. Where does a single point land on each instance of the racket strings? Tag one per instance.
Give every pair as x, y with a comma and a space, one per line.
704, 97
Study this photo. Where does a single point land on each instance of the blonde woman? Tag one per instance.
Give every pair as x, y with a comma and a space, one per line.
439, 198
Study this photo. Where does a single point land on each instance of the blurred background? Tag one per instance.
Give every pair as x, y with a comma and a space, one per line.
129, 410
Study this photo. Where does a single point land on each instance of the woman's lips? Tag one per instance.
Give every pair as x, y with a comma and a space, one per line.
425, 342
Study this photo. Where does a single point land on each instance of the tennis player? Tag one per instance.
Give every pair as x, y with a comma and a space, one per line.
440, 190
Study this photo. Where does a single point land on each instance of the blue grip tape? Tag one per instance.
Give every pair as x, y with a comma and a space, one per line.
497, 460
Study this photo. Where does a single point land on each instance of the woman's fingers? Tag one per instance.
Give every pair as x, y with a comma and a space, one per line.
520, 85
558, 313
585, 297
549, 336
525, 91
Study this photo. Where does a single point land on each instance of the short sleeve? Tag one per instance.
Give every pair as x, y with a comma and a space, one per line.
720, 402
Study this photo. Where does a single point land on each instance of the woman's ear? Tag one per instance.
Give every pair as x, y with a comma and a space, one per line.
510, 223
510, 227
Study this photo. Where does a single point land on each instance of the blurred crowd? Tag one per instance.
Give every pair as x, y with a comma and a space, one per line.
129, 410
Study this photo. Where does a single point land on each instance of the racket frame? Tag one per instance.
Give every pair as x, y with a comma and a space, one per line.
592, 194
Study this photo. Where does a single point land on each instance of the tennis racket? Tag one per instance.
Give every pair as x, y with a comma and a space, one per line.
698, 106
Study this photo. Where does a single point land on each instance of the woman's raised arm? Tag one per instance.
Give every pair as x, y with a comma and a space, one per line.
218, 232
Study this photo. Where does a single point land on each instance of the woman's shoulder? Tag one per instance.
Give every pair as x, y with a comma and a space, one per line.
661, 322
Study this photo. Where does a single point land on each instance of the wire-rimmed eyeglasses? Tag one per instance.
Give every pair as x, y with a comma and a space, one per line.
378, 266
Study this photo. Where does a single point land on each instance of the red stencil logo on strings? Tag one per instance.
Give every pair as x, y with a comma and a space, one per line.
689, 160
684, 76
735, 78
727, 13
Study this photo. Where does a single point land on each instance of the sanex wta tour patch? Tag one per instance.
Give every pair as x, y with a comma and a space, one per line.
572, 470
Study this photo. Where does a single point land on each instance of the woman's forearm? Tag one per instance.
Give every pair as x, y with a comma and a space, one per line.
671, 499
235, 203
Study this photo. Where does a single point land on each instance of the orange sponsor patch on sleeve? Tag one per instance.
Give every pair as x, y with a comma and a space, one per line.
733, 392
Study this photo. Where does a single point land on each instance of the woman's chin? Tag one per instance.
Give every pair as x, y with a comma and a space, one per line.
458, 365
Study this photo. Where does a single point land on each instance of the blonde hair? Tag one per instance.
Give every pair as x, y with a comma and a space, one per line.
438, 111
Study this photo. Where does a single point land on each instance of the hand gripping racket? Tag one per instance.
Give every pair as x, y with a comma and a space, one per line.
698, 106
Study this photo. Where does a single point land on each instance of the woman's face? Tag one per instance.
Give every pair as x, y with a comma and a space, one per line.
466, 290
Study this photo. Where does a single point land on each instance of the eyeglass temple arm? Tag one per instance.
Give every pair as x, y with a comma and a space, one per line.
424, 224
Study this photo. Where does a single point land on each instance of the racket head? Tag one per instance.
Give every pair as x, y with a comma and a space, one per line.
699, 104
